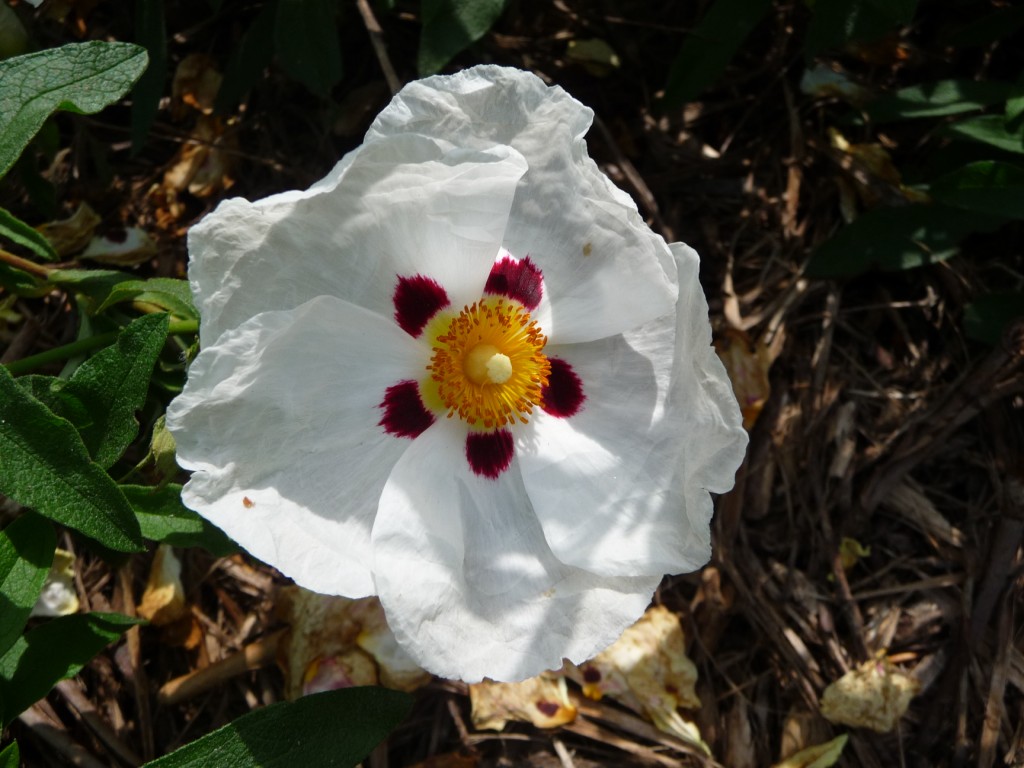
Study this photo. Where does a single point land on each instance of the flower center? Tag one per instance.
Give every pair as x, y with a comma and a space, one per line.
488, 364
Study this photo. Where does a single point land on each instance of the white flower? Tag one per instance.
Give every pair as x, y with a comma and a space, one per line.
462, 374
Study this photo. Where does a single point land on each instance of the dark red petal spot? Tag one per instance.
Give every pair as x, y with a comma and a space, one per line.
489, 453
417, 299
591, 675
404, 412
563, 396
547, 708
519, 280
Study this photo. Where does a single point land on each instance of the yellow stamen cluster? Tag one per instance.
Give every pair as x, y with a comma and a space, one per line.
488, 364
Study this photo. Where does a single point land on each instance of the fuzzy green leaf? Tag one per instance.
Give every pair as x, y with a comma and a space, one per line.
51, 652
336, 728
80, 77
26, 553
45, 465
112, 385
164, 518
167, 293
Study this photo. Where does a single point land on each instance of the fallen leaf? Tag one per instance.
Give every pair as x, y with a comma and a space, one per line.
647, 670
163, 601
195, 85
542, 700
818, 756
822, 81
874, 695
70, 235
336, 642
58, 597
850, 551
595, 56
124, 248
747, 363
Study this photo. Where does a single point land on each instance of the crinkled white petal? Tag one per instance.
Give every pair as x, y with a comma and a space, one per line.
604, 270
470, 587
622, 486
279, 423
405, 205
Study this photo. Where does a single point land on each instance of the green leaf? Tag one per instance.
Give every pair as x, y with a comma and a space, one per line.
248, 60
896, 239
306, 40
164, 518
336, 728
22, 283
45, 465
837, 22
112, 385
708, 50
150, 32
988, 186
26, 554
80, 77
51, 652
9, 757
897, 11
18, 231
1015, 104
986, 318
942, 97
167, 293
451, 26
987, 129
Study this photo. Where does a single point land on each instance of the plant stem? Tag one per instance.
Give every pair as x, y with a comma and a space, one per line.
26, 364
39, 270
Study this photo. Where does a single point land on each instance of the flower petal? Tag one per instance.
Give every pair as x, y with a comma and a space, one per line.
405, 205
607, 271
622, 486
279, 421
467, 581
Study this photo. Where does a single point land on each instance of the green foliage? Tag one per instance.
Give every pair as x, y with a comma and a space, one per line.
45, 465
988, 186
151, 33
251, 56
80, 77
450, 26
897, 238
15, 230
306, 39
9, 756
708, 50
51, 652
112, 385
164, 518
336, 728
837, 22
935, 99
994, 130
986, 318
26, 553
